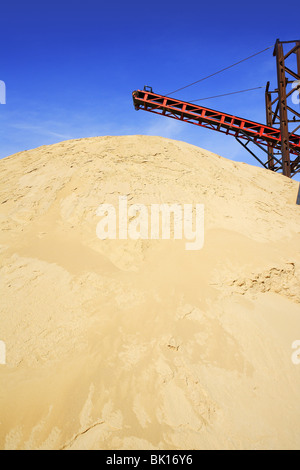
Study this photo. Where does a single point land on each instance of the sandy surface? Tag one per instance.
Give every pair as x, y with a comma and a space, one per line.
123, 344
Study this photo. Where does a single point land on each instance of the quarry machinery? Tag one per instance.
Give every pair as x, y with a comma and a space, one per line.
280, 144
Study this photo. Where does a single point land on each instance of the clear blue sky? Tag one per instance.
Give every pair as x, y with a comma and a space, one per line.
70, 66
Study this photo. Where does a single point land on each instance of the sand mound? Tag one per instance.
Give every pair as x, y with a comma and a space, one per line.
141, 344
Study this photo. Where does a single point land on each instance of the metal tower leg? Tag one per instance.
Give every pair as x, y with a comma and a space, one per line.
284, 129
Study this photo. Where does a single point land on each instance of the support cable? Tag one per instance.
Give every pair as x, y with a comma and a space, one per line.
227, 94
222, 70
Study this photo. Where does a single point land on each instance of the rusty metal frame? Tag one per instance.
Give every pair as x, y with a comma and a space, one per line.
269, 120
278, 110
281, 145
272, 162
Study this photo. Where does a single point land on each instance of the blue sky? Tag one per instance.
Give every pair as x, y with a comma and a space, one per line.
70, 66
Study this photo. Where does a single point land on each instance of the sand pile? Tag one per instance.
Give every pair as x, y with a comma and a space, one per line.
141, 344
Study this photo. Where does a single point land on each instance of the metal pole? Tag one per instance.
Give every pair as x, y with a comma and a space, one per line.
298, 57
285, 148
269, 117
298, 63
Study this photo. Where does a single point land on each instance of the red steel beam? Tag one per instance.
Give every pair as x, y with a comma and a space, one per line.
212, 119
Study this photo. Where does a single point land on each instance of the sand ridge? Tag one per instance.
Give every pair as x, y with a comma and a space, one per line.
140, 344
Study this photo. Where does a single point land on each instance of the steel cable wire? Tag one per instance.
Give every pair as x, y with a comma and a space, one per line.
219, 71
